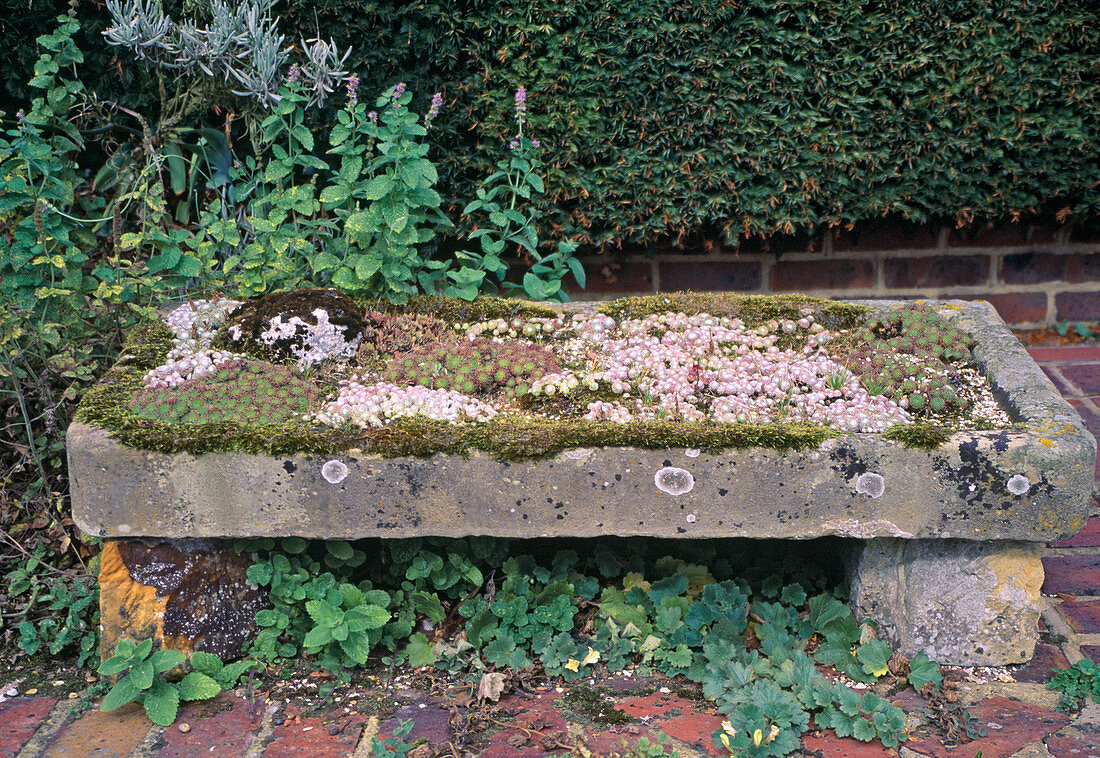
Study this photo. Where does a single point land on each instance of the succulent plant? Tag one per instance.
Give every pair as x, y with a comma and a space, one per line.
387, 334
479, 367
240, 390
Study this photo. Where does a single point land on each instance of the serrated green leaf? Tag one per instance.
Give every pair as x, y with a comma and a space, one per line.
210, 664
162, 704
198, 686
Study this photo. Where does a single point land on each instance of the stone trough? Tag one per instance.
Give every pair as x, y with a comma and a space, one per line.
945, 542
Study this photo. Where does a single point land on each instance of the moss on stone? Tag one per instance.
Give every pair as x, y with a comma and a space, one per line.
457, 311
920, 435
592, 704
752, 309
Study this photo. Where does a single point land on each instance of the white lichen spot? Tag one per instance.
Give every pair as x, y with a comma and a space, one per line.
579, 454
692, 452
334, 471
1019, 484
124, 529
691, 518
870, 484
674, 481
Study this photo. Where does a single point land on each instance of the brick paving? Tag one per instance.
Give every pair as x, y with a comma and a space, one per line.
1019, 717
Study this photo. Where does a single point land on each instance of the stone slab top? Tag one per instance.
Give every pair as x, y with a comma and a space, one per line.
1029, 482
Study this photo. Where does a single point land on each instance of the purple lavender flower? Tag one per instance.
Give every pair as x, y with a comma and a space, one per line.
294, 74
534, 143
521, 104
514, 144
433, 110
398, 91
373, 117
353, 89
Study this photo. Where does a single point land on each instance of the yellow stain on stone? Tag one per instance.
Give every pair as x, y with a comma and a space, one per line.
1045, 441
1022, 571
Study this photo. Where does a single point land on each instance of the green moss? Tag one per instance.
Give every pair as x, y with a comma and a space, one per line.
752, 309
458, 311
590, 703
920, 435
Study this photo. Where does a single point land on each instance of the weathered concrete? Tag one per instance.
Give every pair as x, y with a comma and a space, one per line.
960, 602
963, 490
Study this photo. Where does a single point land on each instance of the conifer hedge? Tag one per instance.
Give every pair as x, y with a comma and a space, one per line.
732, 118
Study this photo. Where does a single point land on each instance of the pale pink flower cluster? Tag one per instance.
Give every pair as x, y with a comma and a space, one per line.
193, 326
374, 405
694, 367
178, 370
195, 323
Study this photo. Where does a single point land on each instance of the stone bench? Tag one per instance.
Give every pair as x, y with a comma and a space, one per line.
945, 551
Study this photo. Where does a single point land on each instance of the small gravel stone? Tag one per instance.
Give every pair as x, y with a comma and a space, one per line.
184, 727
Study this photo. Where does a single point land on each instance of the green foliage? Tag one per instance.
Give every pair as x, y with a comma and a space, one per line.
395, 746
718, 118
1078, 682
53, 608
1085, 331
140, 678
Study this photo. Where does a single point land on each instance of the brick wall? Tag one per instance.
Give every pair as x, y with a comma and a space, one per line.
1034, 276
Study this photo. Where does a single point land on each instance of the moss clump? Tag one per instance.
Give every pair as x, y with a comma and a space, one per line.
590, 703
455, 311
751, 309
242, 329
921, 435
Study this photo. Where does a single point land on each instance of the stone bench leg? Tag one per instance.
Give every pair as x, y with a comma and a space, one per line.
961, 602
185, 595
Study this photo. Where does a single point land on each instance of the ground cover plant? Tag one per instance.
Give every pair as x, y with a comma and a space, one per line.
708, 372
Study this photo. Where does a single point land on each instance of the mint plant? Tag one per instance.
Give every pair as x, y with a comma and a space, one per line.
141, 679
507, 199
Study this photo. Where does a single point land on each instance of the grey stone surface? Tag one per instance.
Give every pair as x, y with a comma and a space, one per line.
1029, 483
958, 491
960, 602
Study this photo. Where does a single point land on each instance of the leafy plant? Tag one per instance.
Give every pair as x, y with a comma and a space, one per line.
395, 746
141, 679
1078, 682
59, 610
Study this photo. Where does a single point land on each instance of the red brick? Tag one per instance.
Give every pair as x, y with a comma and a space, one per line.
611, 278
1087, 233
1033, 268
1065, 353
717, 276
1092, 652
999, 235
1072, 574
679, 718
430, 722
222, 726
1047, 660
19, 718
936, 271
1084, 375
826, 744
1082, 615
101, 735
310, 736
1077, 306
830, 274
620, 740
1083, 268
1016, 307
886, 235
1087, 537
537, 714
1073, 745
1058, 381
1009, 724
